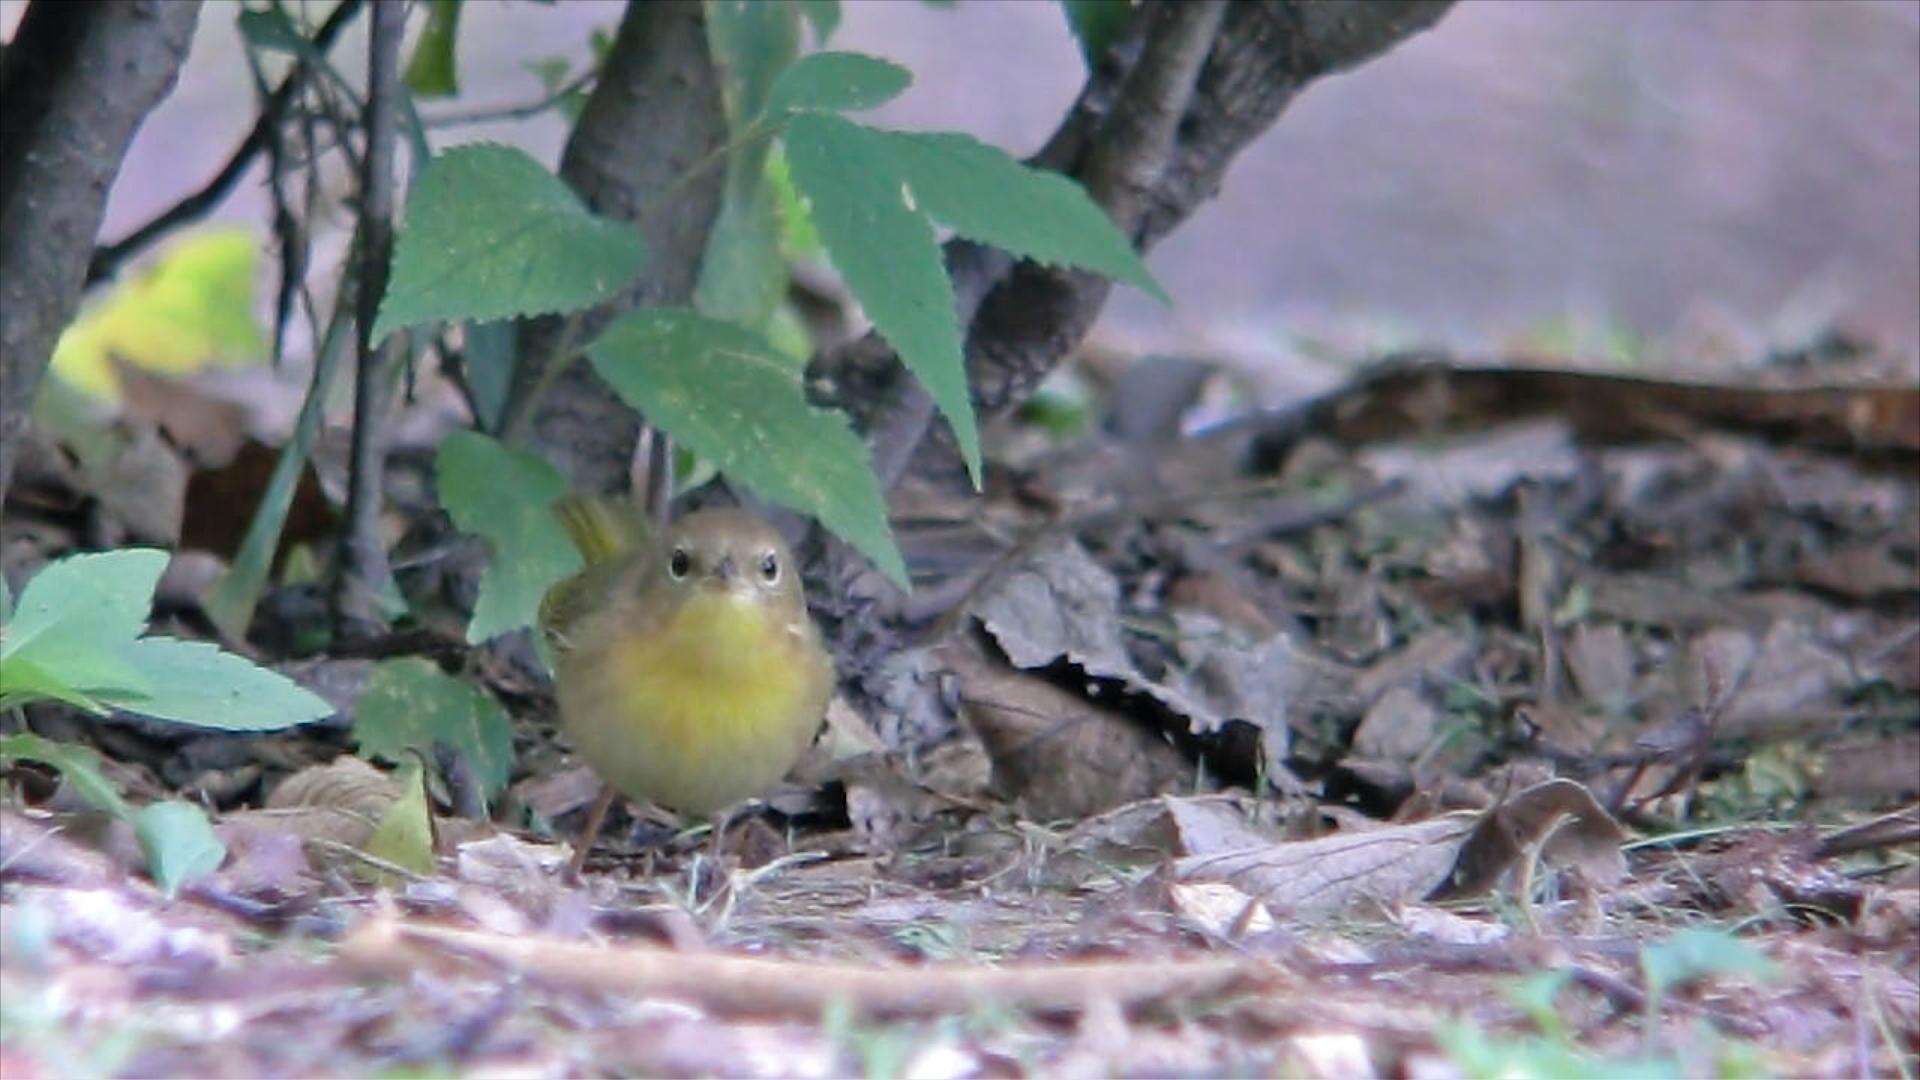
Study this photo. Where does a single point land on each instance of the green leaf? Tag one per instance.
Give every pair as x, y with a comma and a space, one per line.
179, 844
742, 275
884, 248
409, 704
798, 238
1698, 952
840, 81
433, 72
193, 309
491, 234
726, 394
824, 16
23, 681
194, 682
488, 356
404, 836
85, 597
230, 600
77, 626
1096, 24
74, 622
752, 42
506, 496
78, 765
984, 194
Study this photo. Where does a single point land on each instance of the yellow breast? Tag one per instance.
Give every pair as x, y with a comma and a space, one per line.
700, 710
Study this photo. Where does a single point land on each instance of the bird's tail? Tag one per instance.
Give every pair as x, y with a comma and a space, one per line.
603, 528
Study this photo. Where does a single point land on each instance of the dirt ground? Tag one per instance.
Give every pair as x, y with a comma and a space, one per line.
1580, 712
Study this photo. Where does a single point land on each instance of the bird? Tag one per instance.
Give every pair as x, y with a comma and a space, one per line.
687, 670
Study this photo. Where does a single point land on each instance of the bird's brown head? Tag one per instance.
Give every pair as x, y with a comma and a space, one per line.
729, 551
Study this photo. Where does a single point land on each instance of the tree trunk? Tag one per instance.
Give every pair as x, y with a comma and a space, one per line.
78, 80
654, 114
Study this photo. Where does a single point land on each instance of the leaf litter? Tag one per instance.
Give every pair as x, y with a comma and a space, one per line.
1460, 716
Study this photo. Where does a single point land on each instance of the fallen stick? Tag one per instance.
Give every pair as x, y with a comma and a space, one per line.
766, 986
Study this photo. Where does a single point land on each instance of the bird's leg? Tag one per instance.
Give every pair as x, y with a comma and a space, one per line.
596, 817
716, 852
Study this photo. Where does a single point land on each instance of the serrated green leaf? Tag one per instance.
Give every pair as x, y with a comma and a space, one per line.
505, 495
73, 624
491, 234
79, 765
884, 248
1096, 24
433, 72
983, 194
404, 836
409, 704
179, 844
77, 628
728, 395
194, 682
840, 81
103, 595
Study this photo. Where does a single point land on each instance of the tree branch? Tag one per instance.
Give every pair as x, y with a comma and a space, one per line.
78, 80
108, 258
362, 571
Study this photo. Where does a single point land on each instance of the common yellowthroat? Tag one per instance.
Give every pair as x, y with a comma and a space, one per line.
687, 669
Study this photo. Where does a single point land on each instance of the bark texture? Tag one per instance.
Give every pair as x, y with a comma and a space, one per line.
78, 80
655, 113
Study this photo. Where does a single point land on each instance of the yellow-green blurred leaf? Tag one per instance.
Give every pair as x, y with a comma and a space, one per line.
404, 836
194, 308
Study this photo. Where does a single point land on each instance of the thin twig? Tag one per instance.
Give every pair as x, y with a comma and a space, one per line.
757, 985
493, 113
107, 260
363, 566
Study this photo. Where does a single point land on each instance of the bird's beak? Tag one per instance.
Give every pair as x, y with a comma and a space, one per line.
725, 572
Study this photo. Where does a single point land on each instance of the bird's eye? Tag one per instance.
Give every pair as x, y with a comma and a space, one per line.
769, 568
679, 563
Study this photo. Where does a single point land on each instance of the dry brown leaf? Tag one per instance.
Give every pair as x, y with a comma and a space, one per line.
1433, 656
1398, 727
1764, 683
1308, 878
1061, 604
1062, 755
1558, 820
1601, 662
1454, 854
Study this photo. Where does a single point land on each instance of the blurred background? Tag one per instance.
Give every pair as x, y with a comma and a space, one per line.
1676, 185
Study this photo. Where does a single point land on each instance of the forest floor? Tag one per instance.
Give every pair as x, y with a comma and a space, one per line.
1465, 721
